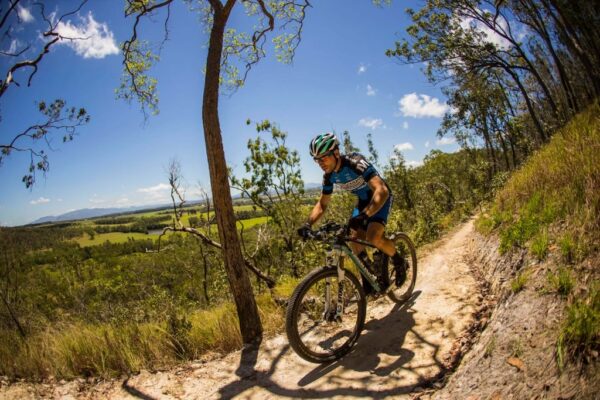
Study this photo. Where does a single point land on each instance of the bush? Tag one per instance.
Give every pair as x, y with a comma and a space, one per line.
539, 245
562, 282
580, 334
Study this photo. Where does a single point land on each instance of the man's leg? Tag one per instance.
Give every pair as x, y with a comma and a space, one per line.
375, 235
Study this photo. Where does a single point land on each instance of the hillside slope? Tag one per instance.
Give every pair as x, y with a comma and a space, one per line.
540, 260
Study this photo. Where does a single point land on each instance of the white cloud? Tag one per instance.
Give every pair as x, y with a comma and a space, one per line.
13, 46
421, 106
489, 35
41, 200
362, 69
414, 164
403, 146
156, 193
24, 14
370, 90
90, 39
372, 123
154, 189
427, 144
445, 141
405, 125
96, 200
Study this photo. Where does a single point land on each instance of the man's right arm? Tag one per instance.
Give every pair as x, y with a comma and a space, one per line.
319, 208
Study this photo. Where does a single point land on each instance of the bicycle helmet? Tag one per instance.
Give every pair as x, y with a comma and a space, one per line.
323, 143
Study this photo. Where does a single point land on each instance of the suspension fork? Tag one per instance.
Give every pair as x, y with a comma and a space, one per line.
340, 295
335, 257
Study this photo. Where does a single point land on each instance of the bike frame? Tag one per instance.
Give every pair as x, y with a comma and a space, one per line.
340, 250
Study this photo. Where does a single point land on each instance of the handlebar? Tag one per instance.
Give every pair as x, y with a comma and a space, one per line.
340, 231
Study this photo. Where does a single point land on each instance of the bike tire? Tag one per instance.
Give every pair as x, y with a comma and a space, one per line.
327, 339
406, 248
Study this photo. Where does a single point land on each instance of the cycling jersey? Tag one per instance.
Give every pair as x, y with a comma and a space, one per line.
353, 176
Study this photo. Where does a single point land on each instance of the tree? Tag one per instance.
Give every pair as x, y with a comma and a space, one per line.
275, 185
224, 44
37, 138
542, 53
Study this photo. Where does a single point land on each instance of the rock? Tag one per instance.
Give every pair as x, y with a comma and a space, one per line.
515, 362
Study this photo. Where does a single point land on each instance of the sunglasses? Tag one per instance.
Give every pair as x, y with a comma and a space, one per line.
328, 154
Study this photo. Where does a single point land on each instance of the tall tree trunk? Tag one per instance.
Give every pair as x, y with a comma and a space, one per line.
572, 40
530, 108
250, 325
489, 144
504, 149
539, 24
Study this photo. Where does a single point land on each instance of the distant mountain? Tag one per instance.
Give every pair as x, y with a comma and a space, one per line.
85, 213
91, 213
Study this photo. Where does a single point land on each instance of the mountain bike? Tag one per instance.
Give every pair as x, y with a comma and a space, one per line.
327, 310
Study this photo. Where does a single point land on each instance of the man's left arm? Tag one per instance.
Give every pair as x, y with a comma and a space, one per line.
380, 195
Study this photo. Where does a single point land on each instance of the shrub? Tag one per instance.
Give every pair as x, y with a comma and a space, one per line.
580, 334
562, 282
539, 245
567, 247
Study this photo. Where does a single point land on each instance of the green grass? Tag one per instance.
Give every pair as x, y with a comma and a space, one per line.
580, 334
516, 347
249, 223
519, 282
562, 282
122, 237
112, 237
539, 245
557, 184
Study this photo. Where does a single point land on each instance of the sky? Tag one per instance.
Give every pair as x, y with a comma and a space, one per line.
340, 80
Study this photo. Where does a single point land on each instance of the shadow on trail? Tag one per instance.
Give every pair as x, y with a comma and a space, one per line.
383, 336
135, 392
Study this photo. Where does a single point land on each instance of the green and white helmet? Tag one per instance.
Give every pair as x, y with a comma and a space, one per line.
323, 143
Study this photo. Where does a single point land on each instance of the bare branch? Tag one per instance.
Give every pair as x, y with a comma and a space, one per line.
10, 9
175, 179
270, 282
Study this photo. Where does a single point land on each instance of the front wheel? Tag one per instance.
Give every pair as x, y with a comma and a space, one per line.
405, 247
325, 315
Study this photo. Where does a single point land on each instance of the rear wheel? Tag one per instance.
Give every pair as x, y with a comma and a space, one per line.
405, 247
317, 330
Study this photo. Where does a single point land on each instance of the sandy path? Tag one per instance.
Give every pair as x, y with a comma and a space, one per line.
399, 348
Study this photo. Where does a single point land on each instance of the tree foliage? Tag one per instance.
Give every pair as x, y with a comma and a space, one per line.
21, 61
275, 185
514, 71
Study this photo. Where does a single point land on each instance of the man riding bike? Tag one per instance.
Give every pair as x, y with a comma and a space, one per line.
352, 172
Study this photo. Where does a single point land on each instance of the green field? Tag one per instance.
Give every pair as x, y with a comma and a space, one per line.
121, 237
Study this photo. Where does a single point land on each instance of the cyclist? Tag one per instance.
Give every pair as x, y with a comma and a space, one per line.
352, 172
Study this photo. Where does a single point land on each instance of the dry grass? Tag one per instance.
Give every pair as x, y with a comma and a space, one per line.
77, 349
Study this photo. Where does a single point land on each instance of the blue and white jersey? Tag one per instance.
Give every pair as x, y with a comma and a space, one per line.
353, 176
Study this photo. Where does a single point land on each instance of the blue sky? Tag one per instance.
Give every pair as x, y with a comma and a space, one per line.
340, 80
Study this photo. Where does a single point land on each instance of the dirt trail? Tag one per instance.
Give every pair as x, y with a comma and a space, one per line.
400, 348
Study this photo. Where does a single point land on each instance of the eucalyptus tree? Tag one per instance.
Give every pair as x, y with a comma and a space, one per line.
231, 56
547, 48
451, 37
21, 56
